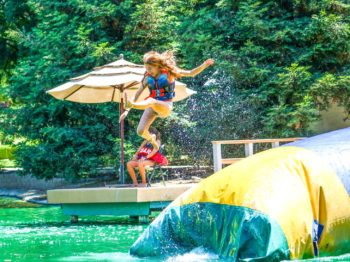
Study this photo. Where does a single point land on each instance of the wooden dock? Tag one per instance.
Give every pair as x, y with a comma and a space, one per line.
117, 201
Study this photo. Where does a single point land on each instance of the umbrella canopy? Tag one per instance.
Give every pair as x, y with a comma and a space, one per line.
108, 83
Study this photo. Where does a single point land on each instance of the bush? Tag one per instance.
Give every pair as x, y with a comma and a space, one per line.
7, 152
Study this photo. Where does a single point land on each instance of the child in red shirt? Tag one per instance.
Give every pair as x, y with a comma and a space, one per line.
140, 159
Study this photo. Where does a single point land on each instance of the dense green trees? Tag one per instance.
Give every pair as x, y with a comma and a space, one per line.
63, 138
277, 64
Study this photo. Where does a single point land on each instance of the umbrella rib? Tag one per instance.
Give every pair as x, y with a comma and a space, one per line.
113, 94
130, 85
117, 87
73, 92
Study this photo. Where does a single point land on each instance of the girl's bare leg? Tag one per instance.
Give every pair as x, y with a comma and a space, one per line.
162, 108
142, 165
130, 166
146, 120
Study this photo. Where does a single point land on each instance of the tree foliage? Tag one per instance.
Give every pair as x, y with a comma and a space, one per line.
278, 63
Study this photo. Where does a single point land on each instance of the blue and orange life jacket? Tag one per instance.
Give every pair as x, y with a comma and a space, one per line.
161, 88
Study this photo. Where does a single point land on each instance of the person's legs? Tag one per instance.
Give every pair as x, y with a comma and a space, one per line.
142, 165
162, 108
153, 108
146, 120
130, 166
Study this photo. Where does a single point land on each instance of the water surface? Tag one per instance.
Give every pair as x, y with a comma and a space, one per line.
30, 232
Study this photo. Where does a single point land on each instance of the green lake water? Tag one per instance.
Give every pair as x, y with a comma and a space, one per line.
42, 233
45, 234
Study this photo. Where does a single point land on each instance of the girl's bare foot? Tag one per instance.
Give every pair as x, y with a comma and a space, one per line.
155, 148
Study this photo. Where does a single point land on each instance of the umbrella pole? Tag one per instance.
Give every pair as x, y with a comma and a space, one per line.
121, 126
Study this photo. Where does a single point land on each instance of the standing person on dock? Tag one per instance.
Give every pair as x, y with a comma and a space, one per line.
141, 159
161, 72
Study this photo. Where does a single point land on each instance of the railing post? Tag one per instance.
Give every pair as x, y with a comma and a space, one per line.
217, 157
275, 144
248, 148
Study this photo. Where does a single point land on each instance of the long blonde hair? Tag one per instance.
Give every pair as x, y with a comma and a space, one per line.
165, 60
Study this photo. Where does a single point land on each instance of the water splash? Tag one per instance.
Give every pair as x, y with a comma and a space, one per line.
107, 256
196, 254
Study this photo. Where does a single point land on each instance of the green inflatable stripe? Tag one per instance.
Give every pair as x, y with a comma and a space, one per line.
234, 232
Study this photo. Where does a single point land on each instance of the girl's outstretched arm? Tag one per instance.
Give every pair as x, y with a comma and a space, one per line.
197, 70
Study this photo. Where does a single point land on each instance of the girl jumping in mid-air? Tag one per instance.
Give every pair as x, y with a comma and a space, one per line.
161, 72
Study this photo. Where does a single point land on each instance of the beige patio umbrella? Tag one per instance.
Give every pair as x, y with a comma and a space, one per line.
108, 83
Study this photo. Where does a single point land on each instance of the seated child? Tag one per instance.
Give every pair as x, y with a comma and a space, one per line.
143, 158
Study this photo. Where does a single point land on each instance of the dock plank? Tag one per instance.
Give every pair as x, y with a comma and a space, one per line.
116, 195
